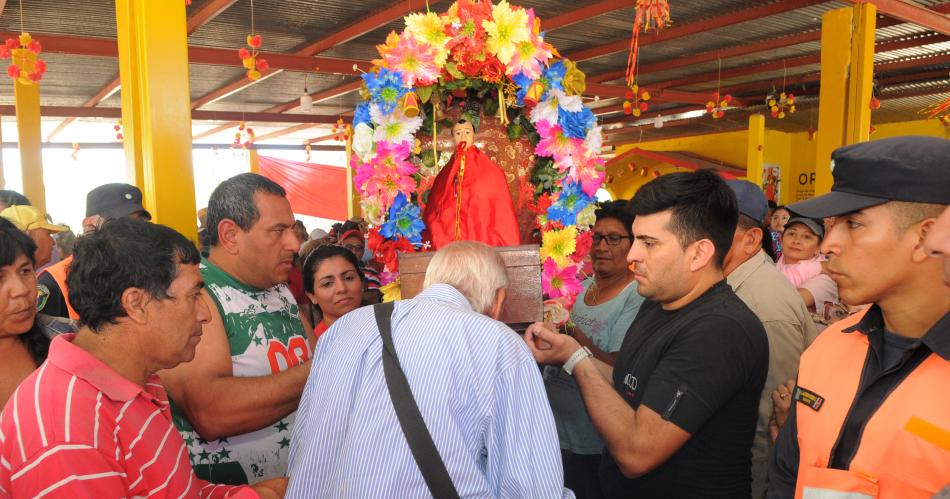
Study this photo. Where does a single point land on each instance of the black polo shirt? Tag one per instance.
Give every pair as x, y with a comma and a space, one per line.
701, 367
890, 359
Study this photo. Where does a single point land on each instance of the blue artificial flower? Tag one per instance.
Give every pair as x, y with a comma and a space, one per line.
524, 83
385, 88
576, 124
404, 220
570, 201
361, 115
553, 77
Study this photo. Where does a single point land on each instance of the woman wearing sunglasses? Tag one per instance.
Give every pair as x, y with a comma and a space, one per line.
599, 320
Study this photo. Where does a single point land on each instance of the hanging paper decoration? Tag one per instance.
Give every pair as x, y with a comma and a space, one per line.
118, 131
651, 14
75, 153
875, 104
243, 138
307, 160
717, 106
253, 62
635, 102
25, 65
781, 105
340, 131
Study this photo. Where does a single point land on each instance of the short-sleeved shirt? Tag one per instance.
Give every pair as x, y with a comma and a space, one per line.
606, 325
702, 368
77, 428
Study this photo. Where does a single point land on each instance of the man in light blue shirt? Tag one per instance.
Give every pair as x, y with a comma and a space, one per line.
475, 382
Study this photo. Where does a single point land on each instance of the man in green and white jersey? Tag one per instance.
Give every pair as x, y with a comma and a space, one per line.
234, 404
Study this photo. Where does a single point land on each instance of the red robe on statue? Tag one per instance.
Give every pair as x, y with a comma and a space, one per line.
479, 209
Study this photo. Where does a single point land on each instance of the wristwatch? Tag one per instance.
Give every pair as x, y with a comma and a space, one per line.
581, 354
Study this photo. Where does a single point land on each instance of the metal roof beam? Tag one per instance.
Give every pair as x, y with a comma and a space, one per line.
678, 31
115, 112
284, 131
585, 13
911, 12
656, 94
198, 19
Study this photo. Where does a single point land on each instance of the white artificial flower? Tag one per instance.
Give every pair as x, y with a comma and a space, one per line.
363, 142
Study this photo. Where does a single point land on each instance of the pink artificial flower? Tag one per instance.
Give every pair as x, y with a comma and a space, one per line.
557, 282
387, 174
415, 60
556, 145
531, 55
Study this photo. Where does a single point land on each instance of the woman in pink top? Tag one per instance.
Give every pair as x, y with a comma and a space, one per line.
801, 263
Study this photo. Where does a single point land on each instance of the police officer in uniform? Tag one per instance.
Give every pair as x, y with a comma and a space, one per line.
870, 417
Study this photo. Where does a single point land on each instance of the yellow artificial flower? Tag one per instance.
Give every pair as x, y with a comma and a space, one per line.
574, 82
429, 28
391, 291
558, 245
507, 28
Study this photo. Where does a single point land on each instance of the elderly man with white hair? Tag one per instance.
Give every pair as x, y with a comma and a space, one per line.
474, 382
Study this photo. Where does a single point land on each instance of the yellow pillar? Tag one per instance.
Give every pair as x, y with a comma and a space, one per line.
30, 142
156, 113
253, 161
833, 98
862, 73
755, 147
353, 208
3, 180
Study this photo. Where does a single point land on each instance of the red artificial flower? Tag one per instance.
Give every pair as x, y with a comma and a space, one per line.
374, 240
471, 67
493, 70
244, 53
12, 43
4, 52
40, 66
35, 47
388, 252
254, 41
13, 71
583, 245
262, 64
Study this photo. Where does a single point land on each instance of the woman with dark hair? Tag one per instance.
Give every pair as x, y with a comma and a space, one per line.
334, 283
24, 337
12, 198
600, 318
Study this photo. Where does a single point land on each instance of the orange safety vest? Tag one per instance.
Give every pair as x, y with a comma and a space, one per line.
58, 272
904, 452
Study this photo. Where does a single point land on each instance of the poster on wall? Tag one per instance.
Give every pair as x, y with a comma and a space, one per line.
771, 182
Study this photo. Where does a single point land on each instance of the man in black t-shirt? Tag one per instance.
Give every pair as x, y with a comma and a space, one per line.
679, 417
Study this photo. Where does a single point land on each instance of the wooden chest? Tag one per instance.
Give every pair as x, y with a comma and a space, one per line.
523, 304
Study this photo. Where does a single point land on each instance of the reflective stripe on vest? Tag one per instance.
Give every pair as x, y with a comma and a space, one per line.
58, 273
904, 450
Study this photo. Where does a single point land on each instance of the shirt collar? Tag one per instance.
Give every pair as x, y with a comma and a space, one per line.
75, 360
445, 293
744, 271
937, 337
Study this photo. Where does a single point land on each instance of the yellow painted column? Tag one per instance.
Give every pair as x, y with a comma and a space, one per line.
30, 142
833, 99
3, 179
755, 147
353, 208
861, 74
156, 113
253, 161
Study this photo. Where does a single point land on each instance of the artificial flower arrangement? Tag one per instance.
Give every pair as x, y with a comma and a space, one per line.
490, 58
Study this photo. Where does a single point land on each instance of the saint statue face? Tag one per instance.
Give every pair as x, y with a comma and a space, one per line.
463, 133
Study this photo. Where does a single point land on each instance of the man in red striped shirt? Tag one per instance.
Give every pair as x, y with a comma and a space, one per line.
93, 421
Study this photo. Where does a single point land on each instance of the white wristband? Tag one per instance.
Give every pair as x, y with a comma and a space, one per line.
581, 354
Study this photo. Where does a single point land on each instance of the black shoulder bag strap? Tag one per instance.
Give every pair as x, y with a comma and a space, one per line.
413, 426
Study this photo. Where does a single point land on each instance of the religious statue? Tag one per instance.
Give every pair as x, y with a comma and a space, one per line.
469, 199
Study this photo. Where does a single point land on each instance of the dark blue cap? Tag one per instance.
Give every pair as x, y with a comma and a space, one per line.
912, 168
750, 199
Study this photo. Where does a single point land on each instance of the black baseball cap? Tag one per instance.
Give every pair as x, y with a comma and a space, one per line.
913, 168
115, 201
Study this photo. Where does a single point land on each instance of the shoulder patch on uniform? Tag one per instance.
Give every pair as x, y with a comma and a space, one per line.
808, 397
42, 296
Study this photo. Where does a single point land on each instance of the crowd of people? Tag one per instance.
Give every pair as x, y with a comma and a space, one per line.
703, 358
